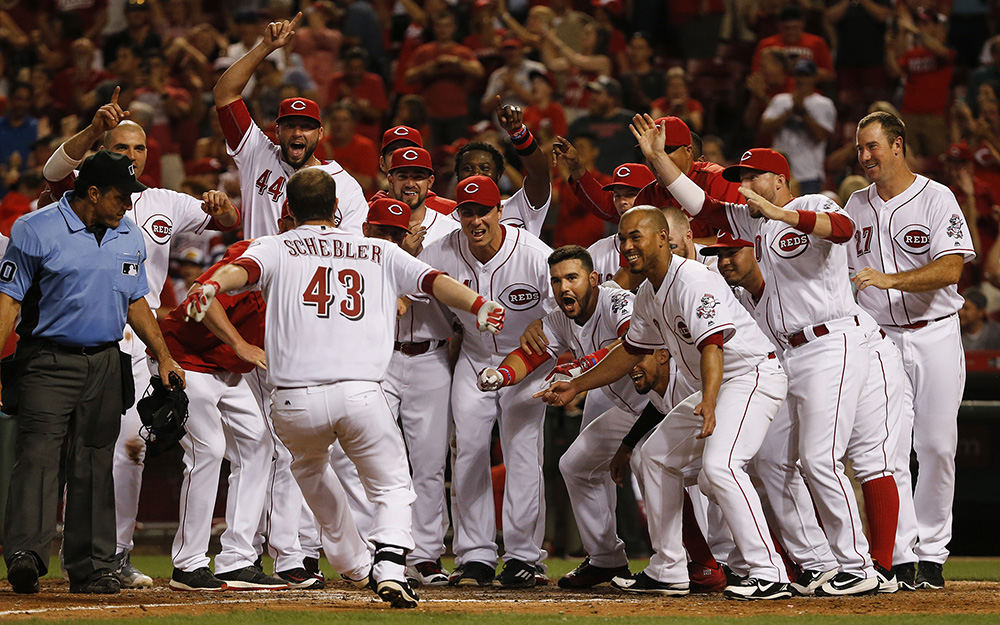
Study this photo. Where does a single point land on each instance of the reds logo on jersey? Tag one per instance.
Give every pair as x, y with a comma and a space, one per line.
619, 303
159, 228
682, 330
706, 308
520, 296
955, 223
790, 243
915, 239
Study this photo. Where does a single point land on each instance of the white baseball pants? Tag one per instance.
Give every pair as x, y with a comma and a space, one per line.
521, 418
934, 365
418, 390
308, 420
826, 377
672, 456
127, 471
224, 422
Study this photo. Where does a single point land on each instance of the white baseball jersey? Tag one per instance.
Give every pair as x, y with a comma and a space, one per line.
331, 303
691, 304
427, 320
806, 277
517, 277
609, 321
607, 257
758, 310
263, 177
518, 212
920, 225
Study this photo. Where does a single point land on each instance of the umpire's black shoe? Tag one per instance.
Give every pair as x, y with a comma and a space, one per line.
906, 575
22, 573
587, 575
198, 580
473, 574
100, 582
930, 575
517, 574
250, 578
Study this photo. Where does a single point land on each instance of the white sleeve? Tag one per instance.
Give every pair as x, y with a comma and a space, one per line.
949, 232
642, 332
405, 272
706, 311
777, 107
263, 252
59, 165
823, 111
688, 194
351, 203
740, 222
187, 214
621, 308
554, 329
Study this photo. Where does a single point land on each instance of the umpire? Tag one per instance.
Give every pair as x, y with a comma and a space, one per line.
74, 271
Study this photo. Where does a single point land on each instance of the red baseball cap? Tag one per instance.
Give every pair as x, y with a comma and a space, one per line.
677, 131
402, 133
389, 212
726, 241
631, 175
761, 159
511, 42
411, 157
477, 190
957, 152
298, 107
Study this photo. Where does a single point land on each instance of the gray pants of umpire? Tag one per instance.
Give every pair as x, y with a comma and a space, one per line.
75, 398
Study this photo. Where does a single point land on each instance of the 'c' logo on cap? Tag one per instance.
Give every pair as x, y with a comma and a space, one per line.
401, 131
745, 156
298, 105
395, 209
472, 187
623, 172
410, 155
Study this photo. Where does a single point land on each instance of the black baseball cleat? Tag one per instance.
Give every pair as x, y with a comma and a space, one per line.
847, 585
930, 575
644, 584
587, 575
251, 578
517, 574
753, 589
427, 573
807, 582
906, 575
887, 582
472, 574
22, 573
301, 579
100, 582
311, 565
198, 580
397, 593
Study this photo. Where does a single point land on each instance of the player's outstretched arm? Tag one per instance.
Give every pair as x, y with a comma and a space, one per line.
617, 363
454, 294
514, 368
231, 84
833, 226
537, 171
67, 156
218, 323
201, 296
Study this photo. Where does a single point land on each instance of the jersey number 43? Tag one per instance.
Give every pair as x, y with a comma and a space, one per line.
319, 293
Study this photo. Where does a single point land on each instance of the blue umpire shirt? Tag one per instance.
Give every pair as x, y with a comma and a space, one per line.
73, 290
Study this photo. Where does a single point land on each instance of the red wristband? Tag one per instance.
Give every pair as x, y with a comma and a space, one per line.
807, 221
507, 373
476, 305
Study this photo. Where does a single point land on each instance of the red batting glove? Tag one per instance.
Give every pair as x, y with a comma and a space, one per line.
199, 299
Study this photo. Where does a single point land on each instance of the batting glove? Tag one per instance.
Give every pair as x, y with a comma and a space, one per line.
489, 379
489, 315
572, 369
199, 299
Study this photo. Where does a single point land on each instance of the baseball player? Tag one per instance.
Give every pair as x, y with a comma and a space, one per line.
225, 422
529, 204
589, 320
264, 167
714, 432
418, 382
337, 289
800, 242
406, 137
160, 214
910, 243
507, 264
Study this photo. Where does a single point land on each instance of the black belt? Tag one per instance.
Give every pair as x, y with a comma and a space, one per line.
921, 324
81, 350
800, 338
420, 347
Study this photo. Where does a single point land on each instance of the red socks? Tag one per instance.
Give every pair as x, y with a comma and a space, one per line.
882, 510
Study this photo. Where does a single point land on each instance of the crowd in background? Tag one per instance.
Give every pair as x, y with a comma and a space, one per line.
792, 74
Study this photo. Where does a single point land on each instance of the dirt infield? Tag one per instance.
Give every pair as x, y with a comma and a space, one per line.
57, 603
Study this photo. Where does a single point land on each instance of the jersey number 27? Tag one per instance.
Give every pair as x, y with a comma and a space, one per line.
319, 293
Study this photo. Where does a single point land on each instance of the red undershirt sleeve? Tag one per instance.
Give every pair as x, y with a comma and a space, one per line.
251, 267
711, 339
531, 361
235, 121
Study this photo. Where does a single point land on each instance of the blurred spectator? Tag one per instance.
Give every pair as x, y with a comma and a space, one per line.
544, 116
442, 69
848, 186
641, 82
609, 19
512, 81
696, 26
577, 68
138, 33
18, 129
361, 27
980, 203
355, 152
577, 225
970, 27
926, 68
486, 34
319, 43
20, 199
364, 90
795, 43
859, 44
171, 105
608, 123
765, 82
411, 111
987, 74
802, 122
539, 21
568, 24
73, 88
678, 101
713, 150
75, 18
978, 333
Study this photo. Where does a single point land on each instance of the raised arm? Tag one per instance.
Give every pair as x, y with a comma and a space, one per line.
231, 84
68, 156
537, 173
